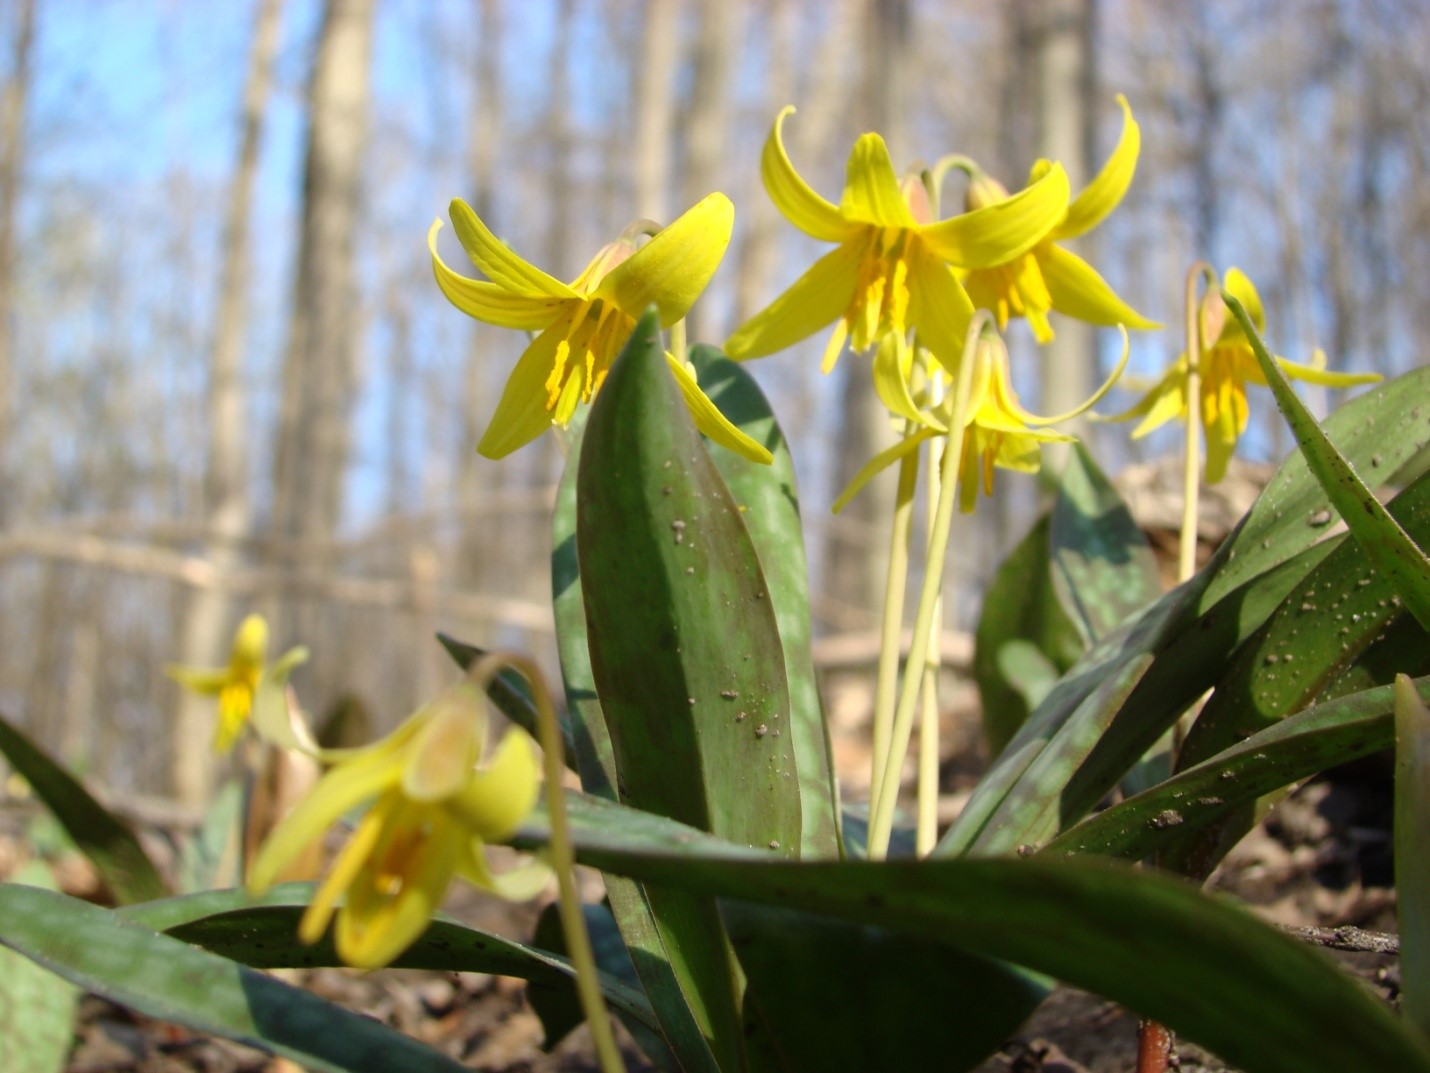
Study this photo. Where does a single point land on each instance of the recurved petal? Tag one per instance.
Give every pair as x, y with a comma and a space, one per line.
1239, 286
499, 796
518, 884
209, 681
998, 233
1077, 290
672, 269
342, 789
1317, 374
447, 745
880, 462
1103, 194
521, 413
710, 421
489, 303
816, 298
871, 189
893, 365
795, 199
497, 261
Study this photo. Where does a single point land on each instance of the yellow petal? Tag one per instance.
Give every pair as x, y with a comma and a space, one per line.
250, 643
521, 414
1240, 287
1219, 452
812, 302
1317, 374
418, 854
1077, 290
498, 797
209, 681
939, 307
799, 204
1103, 194
999, 233
518, 884
893, 365
498, 262
871, 189
339, 791
448, 746
881, 461
273, 718
489, 303
672, 269
710, 421
349, 863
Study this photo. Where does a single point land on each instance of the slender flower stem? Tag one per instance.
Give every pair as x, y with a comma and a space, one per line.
890, 633
677, 342
1191, 457
926, 831
881, 822
562, 857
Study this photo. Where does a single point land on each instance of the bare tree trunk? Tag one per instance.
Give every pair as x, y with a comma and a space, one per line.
321, 363
857, 557
655, 108
12, 146
1064, 36
209, 612
706, 121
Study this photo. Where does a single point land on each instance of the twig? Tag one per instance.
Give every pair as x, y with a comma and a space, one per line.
1346, 937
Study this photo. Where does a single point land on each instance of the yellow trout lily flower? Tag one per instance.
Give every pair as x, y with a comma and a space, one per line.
1048, 278
236, 684
1227, 366
584, 324
891, 270
432, 805
998, 433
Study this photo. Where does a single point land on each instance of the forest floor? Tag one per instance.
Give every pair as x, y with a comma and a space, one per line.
1322, 858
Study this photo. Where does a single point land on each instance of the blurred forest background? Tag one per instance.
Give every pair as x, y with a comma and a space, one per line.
228, 382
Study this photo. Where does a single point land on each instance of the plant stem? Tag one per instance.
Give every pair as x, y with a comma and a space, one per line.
881, 822
890, 632
562, 859
1191, 456
926, 830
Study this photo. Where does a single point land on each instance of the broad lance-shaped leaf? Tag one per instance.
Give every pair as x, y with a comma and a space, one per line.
173, 981
1140, 938
1193, 630
37, 1008
1412, 861
1025, 640
1388, 547
769, 507
262, 933
103, 837
1292, 749
1103, 569
670, 983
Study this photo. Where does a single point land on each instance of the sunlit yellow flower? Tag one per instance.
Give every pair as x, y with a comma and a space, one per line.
584, 324
1048, 277
1227, 366
998, 433
891, 270
236, 684
432, 805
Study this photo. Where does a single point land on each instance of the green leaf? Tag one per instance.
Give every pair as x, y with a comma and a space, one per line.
769, 507
37, 1008
212, 856
667, 980
1412, 863
1268, 1004
263, 934
510, 693
1378, 433
1103, 569
1383, 542
834, 996
168, 979
1024, 637
1290, 750
103, 837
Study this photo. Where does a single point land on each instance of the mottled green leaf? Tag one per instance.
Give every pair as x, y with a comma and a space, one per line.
1412, 836
37, 1008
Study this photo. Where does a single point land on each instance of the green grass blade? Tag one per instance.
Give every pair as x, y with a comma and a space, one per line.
103, 837
168, 979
